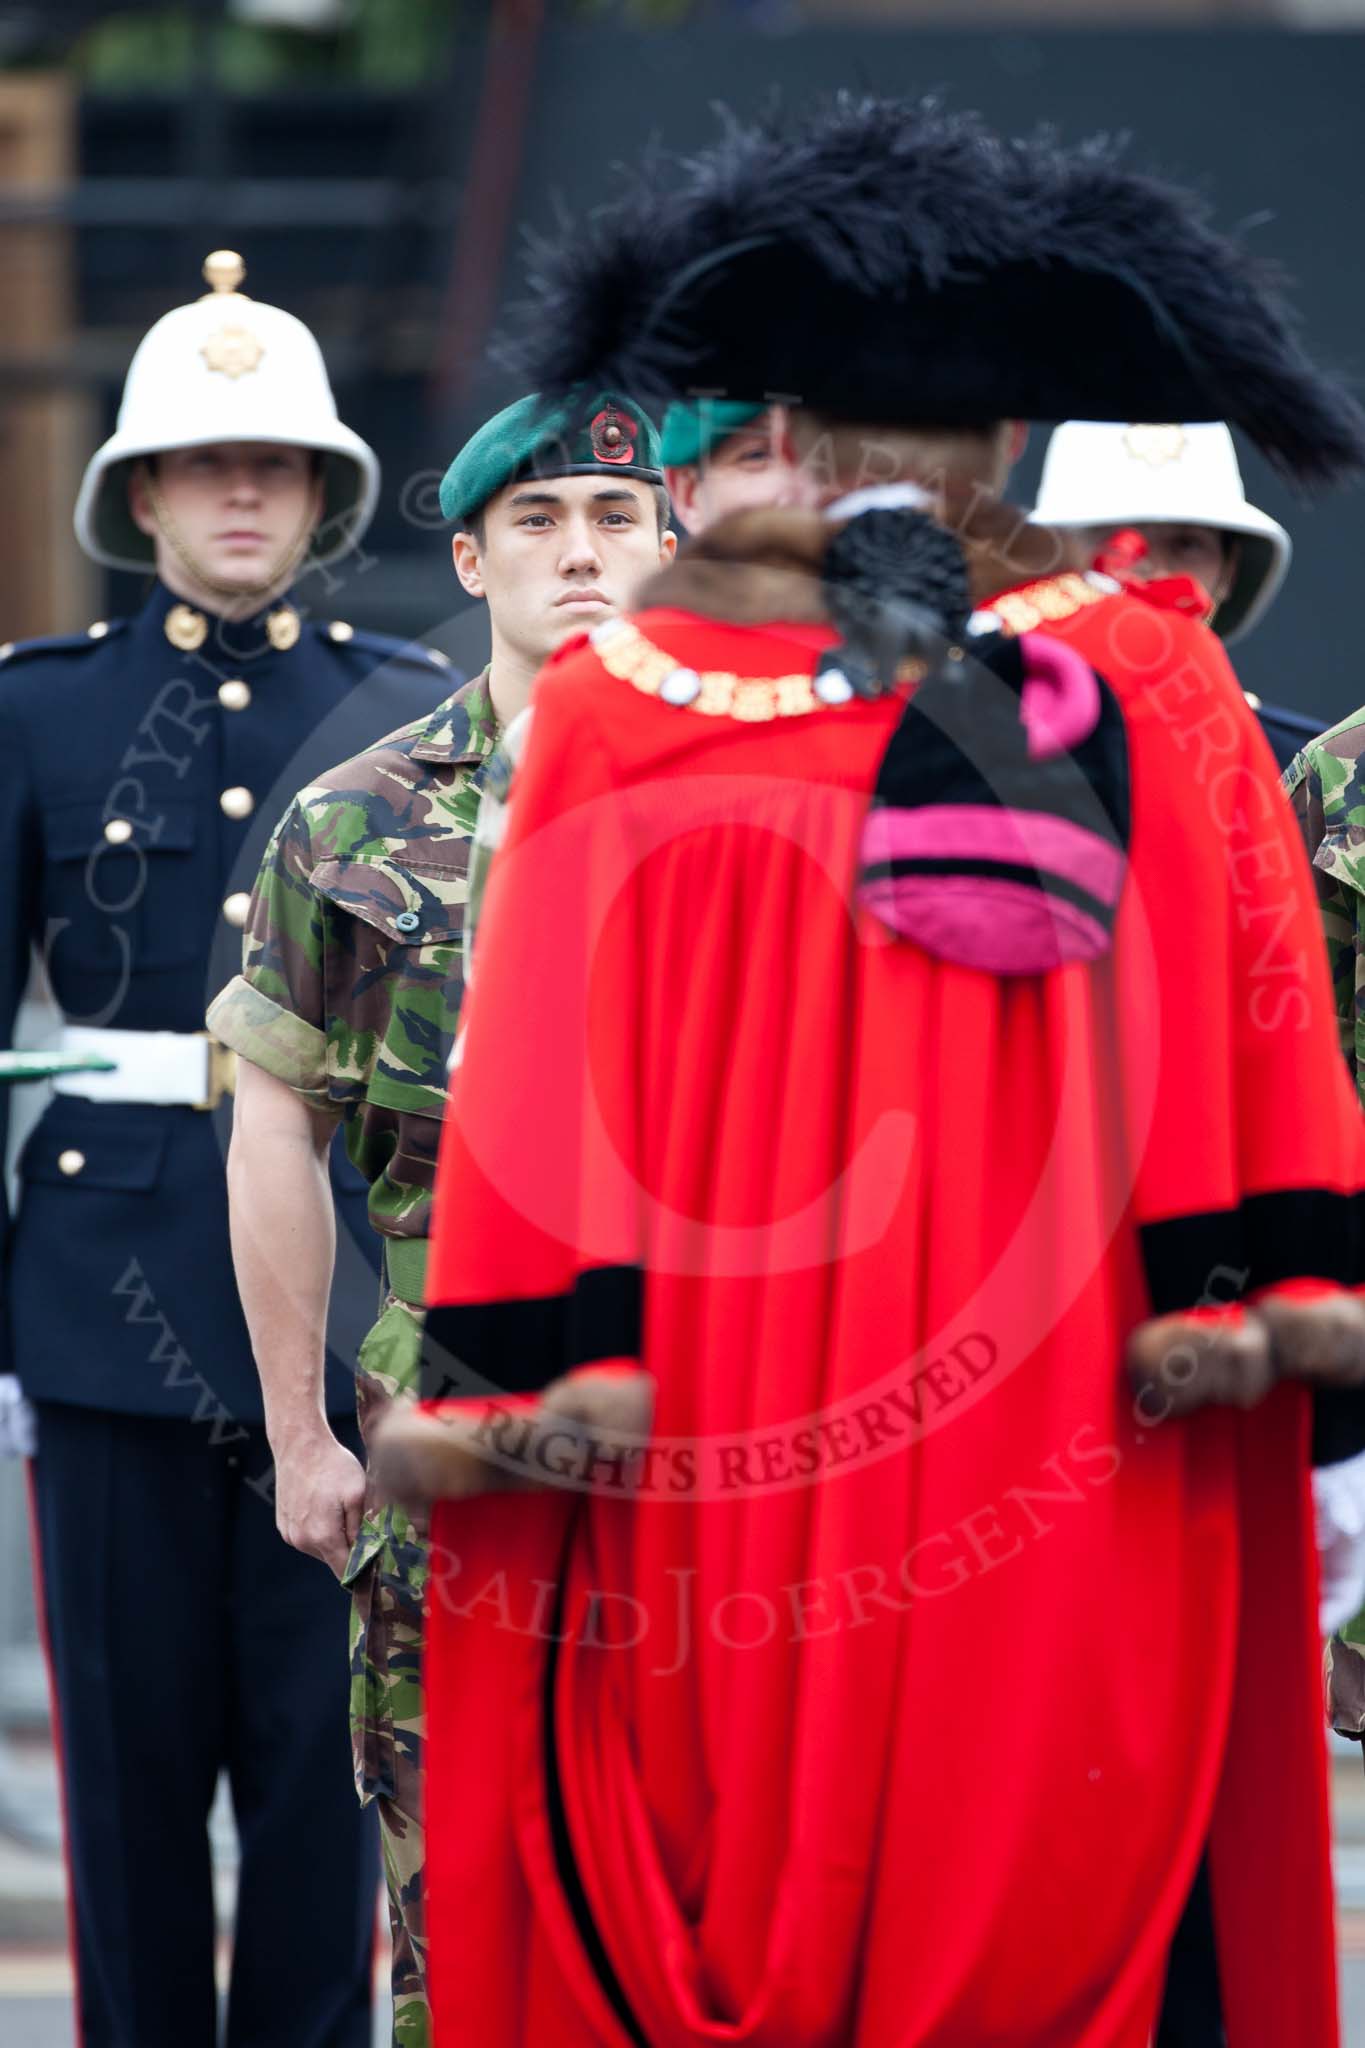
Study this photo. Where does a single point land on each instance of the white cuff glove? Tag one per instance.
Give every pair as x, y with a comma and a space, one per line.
1339, 1515
18, 1424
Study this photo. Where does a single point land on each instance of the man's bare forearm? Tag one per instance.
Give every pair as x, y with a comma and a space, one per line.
283, 1247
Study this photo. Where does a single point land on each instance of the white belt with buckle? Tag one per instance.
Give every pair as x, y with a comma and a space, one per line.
185, 1069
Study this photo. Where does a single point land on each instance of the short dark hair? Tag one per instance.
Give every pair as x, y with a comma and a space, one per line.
477, 529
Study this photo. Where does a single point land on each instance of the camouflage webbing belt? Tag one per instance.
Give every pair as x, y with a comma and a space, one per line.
405, 1263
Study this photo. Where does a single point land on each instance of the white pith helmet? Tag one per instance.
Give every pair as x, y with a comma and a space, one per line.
225, 368
1100, 474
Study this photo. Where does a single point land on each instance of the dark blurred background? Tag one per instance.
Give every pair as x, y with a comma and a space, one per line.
376, 162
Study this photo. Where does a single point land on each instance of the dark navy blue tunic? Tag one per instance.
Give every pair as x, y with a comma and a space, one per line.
119, 1284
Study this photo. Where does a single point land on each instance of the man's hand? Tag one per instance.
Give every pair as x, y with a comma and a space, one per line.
319, 1495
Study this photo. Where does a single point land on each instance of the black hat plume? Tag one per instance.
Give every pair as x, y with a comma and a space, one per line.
890, 261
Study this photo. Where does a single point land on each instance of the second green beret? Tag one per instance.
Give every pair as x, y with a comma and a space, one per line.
694, 426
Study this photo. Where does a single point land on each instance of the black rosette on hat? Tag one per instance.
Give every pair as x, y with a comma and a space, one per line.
896, 586
883, 260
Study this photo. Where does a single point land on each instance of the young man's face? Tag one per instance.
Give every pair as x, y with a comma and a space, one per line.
1203, 552
238, 508
559, 555
747, 470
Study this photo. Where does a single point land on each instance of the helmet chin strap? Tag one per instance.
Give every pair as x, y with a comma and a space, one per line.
282, 570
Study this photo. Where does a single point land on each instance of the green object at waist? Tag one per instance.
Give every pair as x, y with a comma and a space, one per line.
43, 1066
405, 1264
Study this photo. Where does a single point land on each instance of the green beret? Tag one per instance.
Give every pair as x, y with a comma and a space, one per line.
692, 428
602, 436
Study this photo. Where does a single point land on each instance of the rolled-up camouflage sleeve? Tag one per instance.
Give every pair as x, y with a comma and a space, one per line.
274, 1012
1316, 780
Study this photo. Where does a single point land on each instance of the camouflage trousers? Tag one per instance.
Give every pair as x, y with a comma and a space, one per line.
387, 1575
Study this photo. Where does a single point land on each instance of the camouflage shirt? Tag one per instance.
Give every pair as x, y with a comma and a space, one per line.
490, 826
1326, 784
351, 982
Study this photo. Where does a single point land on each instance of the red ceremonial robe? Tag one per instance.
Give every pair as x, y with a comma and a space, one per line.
896, 1703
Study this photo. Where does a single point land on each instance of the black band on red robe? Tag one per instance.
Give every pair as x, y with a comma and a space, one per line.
1229, 1255
518, 1347
1020, 873
561, 1840
1192, 2007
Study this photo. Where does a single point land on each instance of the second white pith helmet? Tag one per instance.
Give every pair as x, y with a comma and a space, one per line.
225, 368
1097, 473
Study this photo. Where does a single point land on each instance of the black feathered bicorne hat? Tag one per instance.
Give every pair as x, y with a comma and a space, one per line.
888, 261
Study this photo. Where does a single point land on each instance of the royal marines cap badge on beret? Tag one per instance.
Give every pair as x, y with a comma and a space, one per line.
577, 437
612, 436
